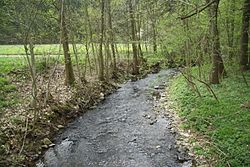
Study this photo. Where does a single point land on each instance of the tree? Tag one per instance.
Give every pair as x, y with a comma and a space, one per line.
134, 40
111, 35
230, 27
217, 62
244, 58
101, 61
69, 74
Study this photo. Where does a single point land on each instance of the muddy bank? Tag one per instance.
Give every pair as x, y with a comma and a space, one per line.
127, 129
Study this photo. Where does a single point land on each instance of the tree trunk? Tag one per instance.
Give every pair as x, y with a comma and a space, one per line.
154, 37
87, 19
69, 74
244, 60
140, 53
111, 35
101, 61
230, 21
29, 51
133, 33
217, 62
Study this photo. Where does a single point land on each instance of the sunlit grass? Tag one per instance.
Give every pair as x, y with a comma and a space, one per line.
54, 49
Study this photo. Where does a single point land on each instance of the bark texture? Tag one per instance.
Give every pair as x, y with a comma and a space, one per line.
244, 58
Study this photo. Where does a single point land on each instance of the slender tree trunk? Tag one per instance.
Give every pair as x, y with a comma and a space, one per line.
244, 58
108, 59
117, 53
154, 30
69, 74
87, 59
101, 61
29, 50
217, 62
91, 37
230, 21
81, 77
140, 53
111, 34
154, 37
133, 33
128, 56
147, 32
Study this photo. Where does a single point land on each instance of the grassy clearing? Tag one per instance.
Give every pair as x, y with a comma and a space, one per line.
39, 49
226, 124
53, 49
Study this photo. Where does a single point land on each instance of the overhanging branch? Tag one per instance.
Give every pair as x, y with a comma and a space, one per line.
198, 11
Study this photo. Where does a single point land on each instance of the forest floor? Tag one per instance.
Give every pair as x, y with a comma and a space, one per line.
131, 127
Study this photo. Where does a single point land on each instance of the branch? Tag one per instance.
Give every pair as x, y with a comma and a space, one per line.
207, 85
198, 11
25, 135
195, 88
209, 88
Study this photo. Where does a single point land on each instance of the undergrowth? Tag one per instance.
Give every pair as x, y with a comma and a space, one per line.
19, 67
226, 123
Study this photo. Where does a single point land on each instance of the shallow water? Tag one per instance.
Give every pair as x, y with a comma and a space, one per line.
125, 130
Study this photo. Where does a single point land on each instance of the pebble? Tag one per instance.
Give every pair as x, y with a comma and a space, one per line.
45, 146
158, 147
153, 122
46, 141
60, 126
188, 164
52, 145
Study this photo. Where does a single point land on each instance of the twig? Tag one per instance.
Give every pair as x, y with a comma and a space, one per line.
25, 135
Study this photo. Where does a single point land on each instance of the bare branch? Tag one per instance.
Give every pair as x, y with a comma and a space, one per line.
198, 11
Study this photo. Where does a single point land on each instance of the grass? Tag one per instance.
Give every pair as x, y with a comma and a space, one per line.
39, 49
226, 124
8, 94
154, 58
53, 49
6, 88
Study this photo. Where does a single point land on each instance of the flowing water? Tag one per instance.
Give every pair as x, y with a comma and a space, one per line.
125, 130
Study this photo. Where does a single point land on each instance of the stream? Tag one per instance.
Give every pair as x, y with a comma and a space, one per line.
127, 129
